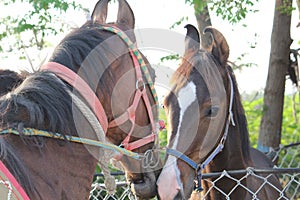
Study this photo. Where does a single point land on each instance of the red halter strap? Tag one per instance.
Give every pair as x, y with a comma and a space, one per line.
139, 65
83, 88
13, 186
130, 113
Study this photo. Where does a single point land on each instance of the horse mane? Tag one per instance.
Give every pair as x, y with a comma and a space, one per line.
76, 46
46, 101
83, 48
240, 118
182, 73
43, 95
9, 80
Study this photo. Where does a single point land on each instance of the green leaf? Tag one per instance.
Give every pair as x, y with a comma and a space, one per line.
39, 19
179, 22
170, 57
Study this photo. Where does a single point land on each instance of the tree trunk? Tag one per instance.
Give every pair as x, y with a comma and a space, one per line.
270, 128
203, 20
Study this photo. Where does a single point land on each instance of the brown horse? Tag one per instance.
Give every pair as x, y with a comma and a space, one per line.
9, 80
101, 55
208, 125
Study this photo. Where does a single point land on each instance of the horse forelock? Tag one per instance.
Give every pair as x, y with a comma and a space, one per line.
180, 77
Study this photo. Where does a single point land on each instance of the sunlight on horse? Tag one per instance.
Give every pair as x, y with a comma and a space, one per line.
104, 56
207, 128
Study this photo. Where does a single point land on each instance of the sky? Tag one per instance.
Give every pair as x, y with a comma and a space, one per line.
161, 15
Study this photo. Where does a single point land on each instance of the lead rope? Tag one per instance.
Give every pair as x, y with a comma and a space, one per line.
105, 154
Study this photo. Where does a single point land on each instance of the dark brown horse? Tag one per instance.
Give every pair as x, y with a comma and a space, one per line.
208, 129
48, 168
9, 80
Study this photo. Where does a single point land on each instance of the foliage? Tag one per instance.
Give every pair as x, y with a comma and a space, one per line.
199, 5
170, 57
286, 7
179, 22
31, 25
231, 10
163, 134
290, 126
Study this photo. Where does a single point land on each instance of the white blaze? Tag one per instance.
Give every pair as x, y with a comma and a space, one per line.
186, 96
169, 183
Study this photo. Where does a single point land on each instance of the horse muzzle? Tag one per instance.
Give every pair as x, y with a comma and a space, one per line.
146, 188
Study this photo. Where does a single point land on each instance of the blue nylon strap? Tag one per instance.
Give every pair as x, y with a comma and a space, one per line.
183, 157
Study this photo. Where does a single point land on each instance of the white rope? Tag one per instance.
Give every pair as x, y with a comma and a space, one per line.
231, 100
8, 185
105, 155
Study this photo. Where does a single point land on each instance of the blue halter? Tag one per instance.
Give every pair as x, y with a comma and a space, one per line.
199, 167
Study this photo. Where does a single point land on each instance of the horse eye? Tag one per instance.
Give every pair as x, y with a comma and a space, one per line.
212, 111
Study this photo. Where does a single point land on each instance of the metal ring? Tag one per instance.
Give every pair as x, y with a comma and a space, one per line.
149, 160
137, 84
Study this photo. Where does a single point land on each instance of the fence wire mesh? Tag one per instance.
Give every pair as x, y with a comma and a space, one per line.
287, 169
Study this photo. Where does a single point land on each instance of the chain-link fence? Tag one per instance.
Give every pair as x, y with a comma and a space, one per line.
287, 168
122, 192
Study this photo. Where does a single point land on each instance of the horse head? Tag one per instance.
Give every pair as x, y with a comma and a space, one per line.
197, 110
105, 57
130, 104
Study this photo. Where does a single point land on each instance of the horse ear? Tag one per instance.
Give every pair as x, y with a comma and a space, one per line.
220, 48
100, 12
192, 39
125, 14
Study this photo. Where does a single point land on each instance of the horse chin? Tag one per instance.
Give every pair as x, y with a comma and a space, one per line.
147, 188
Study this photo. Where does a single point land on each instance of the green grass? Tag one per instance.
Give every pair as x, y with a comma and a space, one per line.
163, 134
290, 125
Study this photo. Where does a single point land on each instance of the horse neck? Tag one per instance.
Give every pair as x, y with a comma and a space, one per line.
57, 170
235, 154
230, 158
